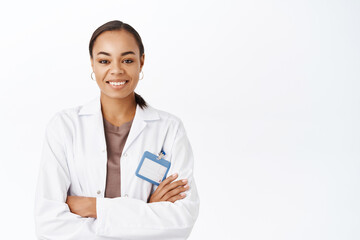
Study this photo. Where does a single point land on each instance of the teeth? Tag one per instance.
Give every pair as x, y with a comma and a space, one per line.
117, 83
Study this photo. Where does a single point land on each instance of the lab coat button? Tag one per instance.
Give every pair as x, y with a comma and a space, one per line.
98, 192
125, 155
125, 195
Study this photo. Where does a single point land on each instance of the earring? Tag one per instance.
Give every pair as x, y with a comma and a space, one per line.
142, 75
92, 76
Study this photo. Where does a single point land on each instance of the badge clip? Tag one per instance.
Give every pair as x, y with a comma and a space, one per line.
161, 155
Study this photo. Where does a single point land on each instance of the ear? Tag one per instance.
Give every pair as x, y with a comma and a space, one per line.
142, 61
92, 63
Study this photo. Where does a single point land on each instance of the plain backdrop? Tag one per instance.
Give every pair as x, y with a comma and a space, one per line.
268, 92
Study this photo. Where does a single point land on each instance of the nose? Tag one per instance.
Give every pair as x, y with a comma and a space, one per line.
116, 68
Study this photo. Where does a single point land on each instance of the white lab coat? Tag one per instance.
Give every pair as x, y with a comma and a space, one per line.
74, 162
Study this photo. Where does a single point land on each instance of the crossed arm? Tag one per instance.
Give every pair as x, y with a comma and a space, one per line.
168, 190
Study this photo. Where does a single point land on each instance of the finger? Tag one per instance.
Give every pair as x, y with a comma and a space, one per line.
172, 186
158, 193
177, 197
175, 192
167, 181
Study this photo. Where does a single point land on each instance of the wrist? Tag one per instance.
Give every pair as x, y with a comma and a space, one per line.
92, 207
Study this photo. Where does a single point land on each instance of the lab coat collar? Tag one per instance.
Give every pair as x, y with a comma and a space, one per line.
141, 117
94, 107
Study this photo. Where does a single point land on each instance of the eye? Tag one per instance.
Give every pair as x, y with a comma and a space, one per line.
128, 61
102, 61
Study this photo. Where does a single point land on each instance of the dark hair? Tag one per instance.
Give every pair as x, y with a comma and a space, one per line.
118, 25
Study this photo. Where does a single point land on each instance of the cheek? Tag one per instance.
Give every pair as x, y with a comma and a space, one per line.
99, 69
135, 70
100, 72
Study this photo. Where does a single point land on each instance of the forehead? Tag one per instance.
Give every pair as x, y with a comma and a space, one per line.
115, 43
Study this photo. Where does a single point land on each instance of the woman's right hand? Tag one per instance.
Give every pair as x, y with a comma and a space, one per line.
170, 191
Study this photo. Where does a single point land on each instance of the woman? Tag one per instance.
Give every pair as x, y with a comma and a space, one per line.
87, 187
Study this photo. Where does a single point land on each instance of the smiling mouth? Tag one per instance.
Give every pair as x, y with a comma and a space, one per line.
117, 83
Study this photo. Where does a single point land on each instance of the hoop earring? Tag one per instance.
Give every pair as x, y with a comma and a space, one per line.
92, 76
142, 75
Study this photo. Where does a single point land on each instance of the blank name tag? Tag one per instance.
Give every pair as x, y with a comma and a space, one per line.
152, 169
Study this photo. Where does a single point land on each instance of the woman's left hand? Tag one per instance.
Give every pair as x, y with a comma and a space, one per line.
83, 206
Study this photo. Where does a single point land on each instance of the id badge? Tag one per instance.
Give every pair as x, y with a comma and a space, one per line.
153, 168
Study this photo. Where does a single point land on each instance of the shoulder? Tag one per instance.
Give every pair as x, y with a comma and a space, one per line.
167, 118
164, 115
64, 119
91, 106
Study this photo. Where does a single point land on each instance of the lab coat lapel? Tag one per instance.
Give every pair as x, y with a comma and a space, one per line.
137, 127
141, 118
93, 108
140, 121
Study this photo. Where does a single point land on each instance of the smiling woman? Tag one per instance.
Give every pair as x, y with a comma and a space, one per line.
116, 48
87, 187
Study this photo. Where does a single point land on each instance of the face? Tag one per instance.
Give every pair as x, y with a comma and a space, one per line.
116, 63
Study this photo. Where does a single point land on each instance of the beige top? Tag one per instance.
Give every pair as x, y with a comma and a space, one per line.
115, 141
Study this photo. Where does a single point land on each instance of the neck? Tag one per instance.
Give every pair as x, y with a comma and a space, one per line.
118, 110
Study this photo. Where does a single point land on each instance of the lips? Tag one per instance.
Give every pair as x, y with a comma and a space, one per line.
117, 80
117, 84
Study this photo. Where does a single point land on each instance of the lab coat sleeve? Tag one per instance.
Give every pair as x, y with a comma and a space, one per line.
129, 218
53, 219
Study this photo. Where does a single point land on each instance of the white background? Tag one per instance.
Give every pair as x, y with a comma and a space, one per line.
268, 92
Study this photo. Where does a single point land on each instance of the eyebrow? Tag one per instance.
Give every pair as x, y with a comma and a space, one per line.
122, 54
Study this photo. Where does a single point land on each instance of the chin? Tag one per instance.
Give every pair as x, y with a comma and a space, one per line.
118, 95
